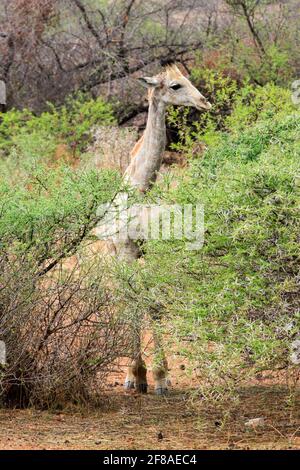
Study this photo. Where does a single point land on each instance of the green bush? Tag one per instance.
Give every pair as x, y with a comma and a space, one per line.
54, 315
236, 301
235, 107
274, 66
221, 91
51, 202
254, 102
37, 136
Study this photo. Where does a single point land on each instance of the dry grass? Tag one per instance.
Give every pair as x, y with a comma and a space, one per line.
130, 421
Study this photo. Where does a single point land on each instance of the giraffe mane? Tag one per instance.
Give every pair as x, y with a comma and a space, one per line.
172, 70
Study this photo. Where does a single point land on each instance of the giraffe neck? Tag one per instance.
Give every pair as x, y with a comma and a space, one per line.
144, 166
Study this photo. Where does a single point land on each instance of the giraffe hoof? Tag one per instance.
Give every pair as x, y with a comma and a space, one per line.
142, 388
161, 391
129, 384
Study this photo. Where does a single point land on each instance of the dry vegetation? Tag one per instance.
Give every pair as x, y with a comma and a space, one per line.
137, 422
230, 312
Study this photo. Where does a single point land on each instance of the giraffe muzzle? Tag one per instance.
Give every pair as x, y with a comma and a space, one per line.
204, 104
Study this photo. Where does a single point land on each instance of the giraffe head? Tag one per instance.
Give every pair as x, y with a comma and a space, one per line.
172, 87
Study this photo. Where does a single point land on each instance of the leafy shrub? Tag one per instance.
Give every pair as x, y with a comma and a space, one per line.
58, 319
274, 66
221, 91
233, 306
235, 107
254, 102
38, 136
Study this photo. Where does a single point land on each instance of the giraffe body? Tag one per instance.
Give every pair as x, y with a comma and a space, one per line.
169, 87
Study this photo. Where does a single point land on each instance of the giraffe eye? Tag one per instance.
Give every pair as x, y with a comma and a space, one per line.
176, 86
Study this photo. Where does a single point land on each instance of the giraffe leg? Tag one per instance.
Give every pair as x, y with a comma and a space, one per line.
137, 376
161, 379
130, 379
160, 366
137, 370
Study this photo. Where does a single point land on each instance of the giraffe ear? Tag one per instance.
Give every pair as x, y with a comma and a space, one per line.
149, 82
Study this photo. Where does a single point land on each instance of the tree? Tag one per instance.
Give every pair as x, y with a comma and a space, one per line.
53, 47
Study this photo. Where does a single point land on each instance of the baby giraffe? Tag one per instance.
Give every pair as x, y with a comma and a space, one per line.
170, 87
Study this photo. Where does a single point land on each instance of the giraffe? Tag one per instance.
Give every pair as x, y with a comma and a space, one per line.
170, 87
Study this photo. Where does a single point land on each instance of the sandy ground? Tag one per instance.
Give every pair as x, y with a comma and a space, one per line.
130, 421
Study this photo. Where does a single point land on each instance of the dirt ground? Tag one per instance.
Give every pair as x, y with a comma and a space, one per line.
130, 421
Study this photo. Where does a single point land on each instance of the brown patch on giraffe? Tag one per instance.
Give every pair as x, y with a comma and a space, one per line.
137, 147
